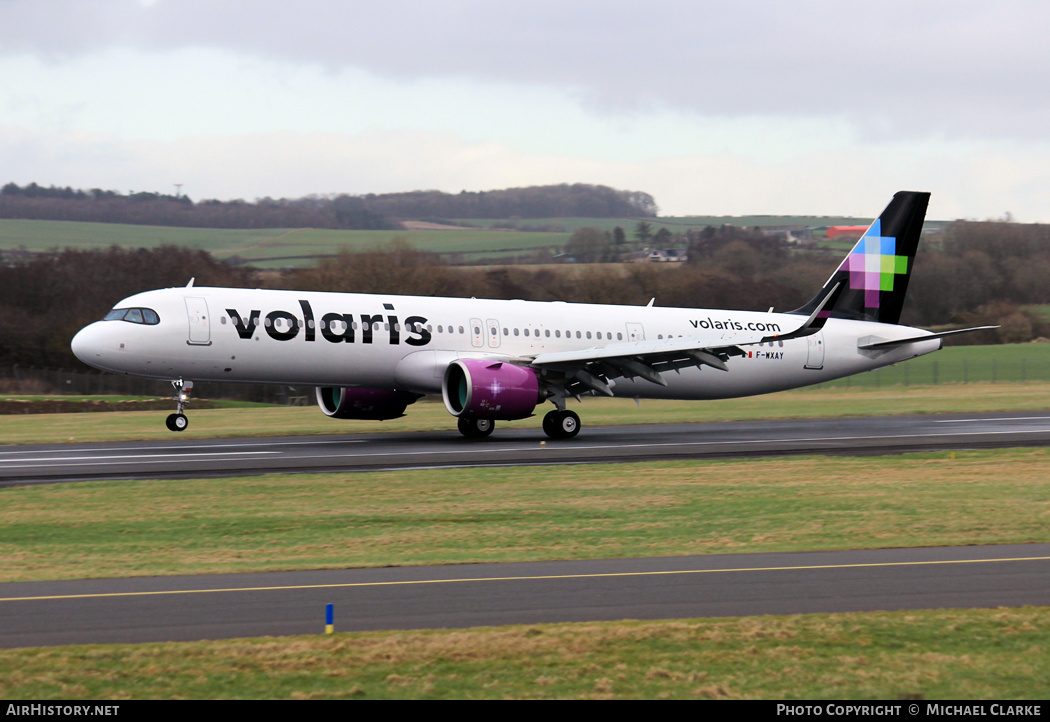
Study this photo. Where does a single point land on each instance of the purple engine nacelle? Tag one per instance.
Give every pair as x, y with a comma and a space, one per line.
476, 388
357, 403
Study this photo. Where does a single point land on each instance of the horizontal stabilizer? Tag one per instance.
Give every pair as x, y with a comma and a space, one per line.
913, 339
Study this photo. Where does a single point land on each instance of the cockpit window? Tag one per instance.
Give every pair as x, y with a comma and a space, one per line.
134, 315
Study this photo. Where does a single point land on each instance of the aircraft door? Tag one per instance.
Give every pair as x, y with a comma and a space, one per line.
815, 353
635, 332
493, 332
477, 333
200, 324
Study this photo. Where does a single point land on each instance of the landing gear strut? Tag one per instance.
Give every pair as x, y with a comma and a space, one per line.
561, 424
476, 428
178, 420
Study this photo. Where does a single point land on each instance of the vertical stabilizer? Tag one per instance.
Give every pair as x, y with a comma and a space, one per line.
875, 274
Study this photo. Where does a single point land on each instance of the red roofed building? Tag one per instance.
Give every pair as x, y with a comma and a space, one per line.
845, 231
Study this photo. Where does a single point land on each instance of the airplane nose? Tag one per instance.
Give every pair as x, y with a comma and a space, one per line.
87, 344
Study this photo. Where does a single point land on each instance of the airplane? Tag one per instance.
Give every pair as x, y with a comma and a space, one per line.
370, 356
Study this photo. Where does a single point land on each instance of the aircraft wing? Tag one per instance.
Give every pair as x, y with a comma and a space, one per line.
594, 369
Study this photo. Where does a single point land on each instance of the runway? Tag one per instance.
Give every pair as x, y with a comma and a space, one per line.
516, 444
228, 606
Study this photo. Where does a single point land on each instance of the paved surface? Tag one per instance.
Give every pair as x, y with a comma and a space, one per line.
509, 445
227, 606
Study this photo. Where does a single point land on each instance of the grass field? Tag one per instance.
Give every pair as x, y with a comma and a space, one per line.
937, 655
253, 245
453, 516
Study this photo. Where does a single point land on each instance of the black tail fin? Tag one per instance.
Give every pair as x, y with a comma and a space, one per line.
875, 274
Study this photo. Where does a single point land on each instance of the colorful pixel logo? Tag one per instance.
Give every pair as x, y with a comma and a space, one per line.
873, 264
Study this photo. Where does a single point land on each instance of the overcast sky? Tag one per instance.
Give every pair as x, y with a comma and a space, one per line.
713, 107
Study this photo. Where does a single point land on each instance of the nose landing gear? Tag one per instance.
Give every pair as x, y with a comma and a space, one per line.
178, 420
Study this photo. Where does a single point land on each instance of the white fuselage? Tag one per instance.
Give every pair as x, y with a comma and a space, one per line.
406, 342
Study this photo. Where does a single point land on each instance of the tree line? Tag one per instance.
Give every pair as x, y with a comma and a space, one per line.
343, 211
552, 201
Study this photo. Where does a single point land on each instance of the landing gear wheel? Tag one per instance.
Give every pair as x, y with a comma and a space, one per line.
561, 424
177, 422
476, 428
550, 422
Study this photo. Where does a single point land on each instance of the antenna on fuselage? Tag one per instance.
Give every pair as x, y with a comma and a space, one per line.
190, 284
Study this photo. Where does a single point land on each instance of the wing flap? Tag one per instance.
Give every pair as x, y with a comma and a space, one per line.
649, 351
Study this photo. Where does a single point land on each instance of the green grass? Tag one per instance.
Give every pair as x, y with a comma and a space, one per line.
1041, 310
451, 516
316, 242
939, 655
252, 245
46, 235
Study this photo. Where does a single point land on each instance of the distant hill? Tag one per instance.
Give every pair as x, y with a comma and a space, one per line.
555, 201
338, 212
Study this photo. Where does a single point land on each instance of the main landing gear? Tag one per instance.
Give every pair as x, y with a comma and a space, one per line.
561, 424
476, 428
178, 420
557, 424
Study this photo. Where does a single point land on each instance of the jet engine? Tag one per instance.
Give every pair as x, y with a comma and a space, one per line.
476, 388
362, 403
